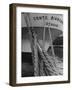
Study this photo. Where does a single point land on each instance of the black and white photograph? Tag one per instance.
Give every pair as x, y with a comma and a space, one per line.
42, 44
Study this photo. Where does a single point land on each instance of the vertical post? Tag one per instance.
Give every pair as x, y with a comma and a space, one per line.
51, 44
44, 35
44, 39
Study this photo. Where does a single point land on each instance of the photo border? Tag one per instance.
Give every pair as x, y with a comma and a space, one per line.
12, 63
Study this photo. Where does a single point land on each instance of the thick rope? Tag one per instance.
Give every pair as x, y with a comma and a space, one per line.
43, 63
33, 45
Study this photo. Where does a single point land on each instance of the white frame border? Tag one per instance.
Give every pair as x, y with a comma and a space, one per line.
20, 79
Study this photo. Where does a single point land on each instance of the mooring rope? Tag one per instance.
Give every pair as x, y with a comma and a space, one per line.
42, 62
